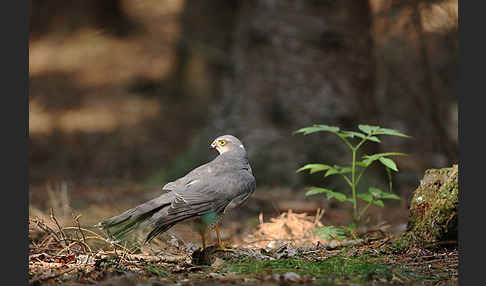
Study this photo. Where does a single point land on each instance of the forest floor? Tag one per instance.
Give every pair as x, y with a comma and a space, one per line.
283, 248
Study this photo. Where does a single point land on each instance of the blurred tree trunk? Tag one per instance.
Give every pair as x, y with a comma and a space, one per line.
202, 57
431, 103
296, 63
202, 53
416, 71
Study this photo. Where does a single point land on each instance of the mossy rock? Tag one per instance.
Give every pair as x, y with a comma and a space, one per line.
433, 209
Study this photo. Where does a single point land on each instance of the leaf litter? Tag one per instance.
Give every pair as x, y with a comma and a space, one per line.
285, 250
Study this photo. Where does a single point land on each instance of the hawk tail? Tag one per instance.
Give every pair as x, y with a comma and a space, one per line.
129, 220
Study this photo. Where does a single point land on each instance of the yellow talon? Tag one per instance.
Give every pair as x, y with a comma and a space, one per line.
220, 242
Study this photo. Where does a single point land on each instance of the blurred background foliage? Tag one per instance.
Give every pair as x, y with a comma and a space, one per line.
133, 92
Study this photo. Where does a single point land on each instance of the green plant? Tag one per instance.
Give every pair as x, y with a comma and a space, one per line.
357, 168
333, 232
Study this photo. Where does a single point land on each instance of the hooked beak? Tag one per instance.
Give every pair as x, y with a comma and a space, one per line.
213, 145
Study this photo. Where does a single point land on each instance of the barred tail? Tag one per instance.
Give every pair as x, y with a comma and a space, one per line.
129, 220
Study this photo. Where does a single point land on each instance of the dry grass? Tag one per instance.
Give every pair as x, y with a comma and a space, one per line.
289, 227
64, 250
71, 254
74, 252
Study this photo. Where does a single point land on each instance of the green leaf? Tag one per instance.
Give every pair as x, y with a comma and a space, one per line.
314, 168
359, 163
331, 172
315, 191
391, 196
352, 134
374, 139
387, 131
338, 196
375, 192
378, 155
379, 203
368, 159
337, 170
379, 194
368, 129
329, 194
332, 232
318, 128
365, 197
389, 163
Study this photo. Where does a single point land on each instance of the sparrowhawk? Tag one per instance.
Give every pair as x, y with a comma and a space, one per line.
205, 194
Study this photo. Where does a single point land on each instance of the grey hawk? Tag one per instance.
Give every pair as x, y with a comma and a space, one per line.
205, 194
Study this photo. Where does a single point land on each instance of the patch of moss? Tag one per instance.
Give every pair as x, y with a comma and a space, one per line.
433, 209
356, 269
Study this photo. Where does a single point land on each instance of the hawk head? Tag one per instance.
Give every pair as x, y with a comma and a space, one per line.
227, 143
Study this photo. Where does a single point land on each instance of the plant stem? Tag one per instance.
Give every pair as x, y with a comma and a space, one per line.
353, 185
344, 140
355, 181
347, 180
364, 210
360, 174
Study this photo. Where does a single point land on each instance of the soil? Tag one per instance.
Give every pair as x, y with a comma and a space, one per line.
65, 250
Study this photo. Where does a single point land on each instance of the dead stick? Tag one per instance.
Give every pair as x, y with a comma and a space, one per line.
426, 262
50, 277
447, 242
53, 218
76, 219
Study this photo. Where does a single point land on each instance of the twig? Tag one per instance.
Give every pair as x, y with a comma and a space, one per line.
45, 243
147, 258
320, 212
53, 218
97, 236
32, 282
278, 239
336, 244
435, 255
43, 226
447, 242
383, 242
85, 246
76, 219
426, 262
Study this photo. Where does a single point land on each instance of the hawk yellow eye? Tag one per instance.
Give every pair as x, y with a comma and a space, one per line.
222, 142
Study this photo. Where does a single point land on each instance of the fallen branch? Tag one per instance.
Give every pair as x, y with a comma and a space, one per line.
337, 244
441, 243
147, 258
32, 282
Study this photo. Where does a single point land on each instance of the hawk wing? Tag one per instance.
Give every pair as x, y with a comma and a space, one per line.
210, 195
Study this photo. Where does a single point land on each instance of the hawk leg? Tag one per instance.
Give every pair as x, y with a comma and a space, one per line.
220, 242
203, 239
